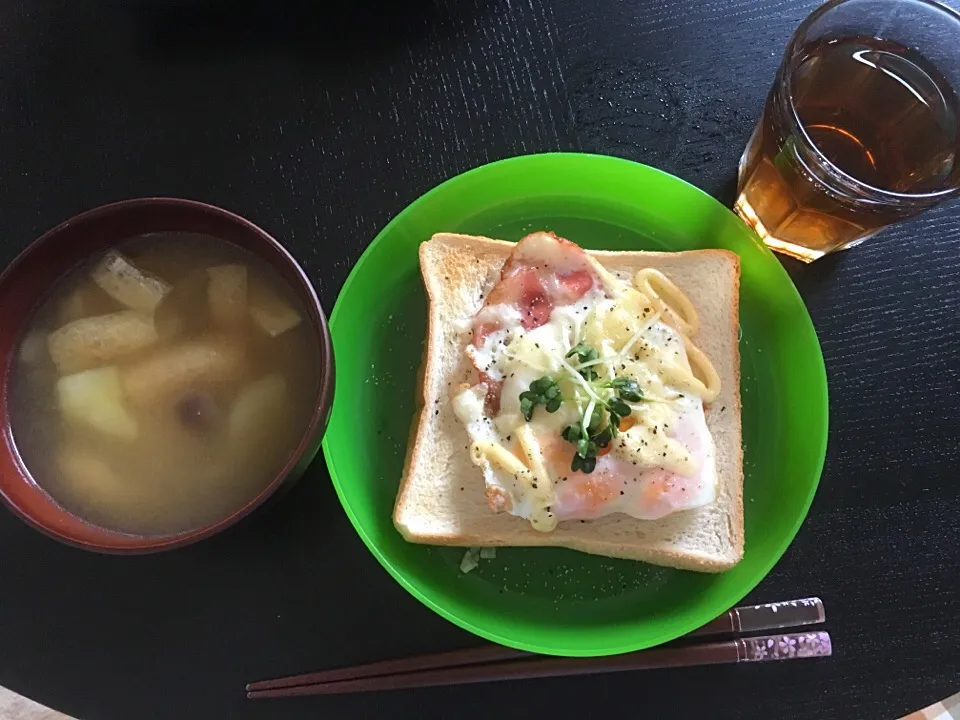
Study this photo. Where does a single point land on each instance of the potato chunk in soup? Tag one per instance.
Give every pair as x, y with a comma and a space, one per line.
157, 399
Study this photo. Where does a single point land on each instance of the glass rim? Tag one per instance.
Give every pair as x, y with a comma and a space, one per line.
784, 91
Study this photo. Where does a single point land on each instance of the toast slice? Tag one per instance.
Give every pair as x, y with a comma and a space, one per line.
441, 499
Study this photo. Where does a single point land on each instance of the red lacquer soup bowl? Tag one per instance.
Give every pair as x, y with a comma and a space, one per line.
25, 284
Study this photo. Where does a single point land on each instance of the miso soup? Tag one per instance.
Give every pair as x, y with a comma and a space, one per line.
162, 385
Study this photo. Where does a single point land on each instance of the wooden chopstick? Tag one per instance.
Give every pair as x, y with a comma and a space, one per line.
453, 658
459, 666
756, 649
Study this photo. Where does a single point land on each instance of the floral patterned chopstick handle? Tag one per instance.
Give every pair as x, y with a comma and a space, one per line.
770, 616
784, 647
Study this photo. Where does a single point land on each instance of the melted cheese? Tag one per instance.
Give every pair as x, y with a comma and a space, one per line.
486, 357
662, 463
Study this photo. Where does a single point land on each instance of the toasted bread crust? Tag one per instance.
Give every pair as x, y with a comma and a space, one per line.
452, 264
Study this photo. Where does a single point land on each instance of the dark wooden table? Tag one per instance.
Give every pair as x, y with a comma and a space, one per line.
320, 124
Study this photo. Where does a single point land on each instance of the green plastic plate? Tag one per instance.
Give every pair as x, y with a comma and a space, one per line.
551, 600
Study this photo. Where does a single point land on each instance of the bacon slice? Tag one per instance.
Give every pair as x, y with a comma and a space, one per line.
481, 330
524, 290
575, 285
491, 403
542, 272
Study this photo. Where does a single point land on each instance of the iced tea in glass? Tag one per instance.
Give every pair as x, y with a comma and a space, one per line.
860, 128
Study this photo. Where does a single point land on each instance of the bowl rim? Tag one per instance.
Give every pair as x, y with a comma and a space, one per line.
311, 434
415, 588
